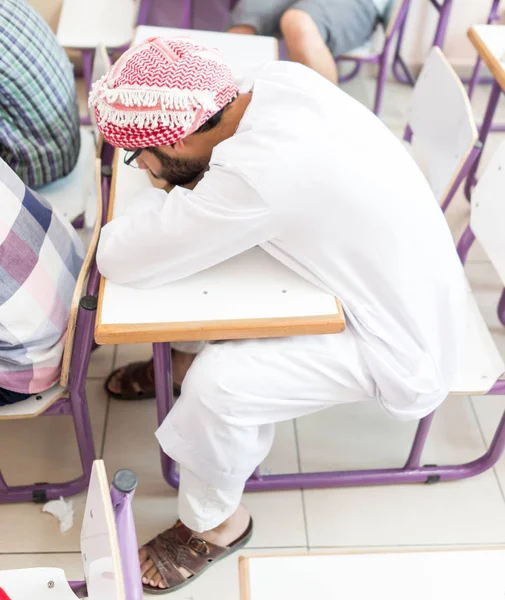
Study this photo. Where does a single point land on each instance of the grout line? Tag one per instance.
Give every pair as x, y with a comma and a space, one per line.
114, 357
486, 445
105, 427
299, 464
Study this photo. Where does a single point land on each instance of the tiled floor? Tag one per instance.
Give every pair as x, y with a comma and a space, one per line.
465, 513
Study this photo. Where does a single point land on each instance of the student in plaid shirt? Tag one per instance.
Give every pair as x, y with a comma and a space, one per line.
39, 118
40, 259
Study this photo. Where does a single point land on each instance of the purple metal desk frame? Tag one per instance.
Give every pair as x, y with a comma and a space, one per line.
404, 75
380, 59
127, 537
74, 403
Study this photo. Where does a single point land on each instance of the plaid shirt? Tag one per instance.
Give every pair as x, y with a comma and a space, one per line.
39, 118
40, 259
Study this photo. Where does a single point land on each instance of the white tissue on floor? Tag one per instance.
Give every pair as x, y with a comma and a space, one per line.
63, 510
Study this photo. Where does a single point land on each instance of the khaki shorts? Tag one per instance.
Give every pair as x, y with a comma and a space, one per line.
343, 24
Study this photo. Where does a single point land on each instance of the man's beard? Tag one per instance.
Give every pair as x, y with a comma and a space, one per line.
178, 171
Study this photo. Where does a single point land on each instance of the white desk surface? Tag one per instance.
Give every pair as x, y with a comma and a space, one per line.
249, 296
242, 52
438, 575
87, 24
489, 41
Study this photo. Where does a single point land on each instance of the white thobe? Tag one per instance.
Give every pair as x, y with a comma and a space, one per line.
323, 186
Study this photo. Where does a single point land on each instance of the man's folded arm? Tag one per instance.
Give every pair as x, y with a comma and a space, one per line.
166, 237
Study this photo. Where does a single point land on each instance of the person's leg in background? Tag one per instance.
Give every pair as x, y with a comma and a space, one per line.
259, 17
306, 45
317, 31
222, 427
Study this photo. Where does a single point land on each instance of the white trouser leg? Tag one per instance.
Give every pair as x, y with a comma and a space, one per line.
188, 347
222, 426
203, 506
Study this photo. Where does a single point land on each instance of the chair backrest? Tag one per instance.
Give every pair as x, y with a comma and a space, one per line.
487, 219
99, 541
83, 277
441, 119
101, 65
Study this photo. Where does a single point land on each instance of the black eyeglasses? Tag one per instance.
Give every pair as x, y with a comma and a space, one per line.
131, 155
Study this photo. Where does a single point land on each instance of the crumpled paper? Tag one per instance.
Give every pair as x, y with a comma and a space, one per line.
63, 510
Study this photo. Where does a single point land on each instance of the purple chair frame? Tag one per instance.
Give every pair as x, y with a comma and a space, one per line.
380, 59
74, 403
404, 75
464, 172
411, 472
494, 16
122, 498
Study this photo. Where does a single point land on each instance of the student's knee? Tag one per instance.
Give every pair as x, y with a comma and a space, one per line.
297, 26
218, 383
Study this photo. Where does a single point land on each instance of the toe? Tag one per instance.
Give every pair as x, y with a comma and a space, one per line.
156, 580
146, 566
150, 575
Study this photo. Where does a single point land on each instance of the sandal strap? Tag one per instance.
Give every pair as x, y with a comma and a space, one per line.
178, 551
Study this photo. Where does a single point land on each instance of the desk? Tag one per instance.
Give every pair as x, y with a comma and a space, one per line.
489, 41
429, 575
249, 296
241, 52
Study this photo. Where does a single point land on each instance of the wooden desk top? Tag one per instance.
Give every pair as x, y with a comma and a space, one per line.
452, 574
489, 41
249, 296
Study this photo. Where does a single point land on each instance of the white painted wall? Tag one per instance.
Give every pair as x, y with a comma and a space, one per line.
421, 27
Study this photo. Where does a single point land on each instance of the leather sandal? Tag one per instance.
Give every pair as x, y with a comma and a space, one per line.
137, 382
180, 556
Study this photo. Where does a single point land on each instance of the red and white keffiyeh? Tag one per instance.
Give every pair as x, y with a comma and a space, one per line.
160, 91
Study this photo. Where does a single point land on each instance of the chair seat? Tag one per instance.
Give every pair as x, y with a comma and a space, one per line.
72, 194
84, 24
480, 364
33, 406
39, 584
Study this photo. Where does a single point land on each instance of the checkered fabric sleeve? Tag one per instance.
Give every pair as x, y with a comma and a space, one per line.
40, 259
39, 118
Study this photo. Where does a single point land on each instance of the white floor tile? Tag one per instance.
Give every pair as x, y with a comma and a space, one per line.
44, 449
127, 353
489, 410
101, 362
466, 512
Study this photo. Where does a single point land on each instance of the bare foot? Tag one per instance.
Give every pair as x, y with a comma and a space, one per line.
223, 535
